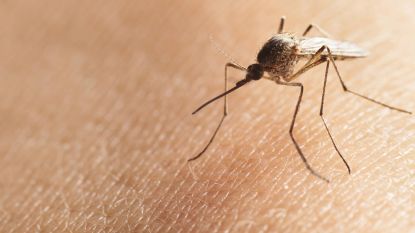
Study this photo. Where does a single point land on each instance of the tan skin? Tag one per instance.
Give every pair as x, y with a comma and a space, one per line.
96, 127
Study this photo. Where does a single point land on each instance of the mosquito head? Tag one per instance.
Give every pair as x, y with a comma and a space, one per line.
254, 72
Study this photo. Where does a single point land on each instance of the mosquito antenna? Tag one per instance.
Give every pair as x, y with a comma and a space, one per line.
238, 85
220, 49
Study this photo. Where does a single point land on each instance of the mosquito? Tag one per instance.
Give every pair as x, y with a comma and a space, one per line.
276, 62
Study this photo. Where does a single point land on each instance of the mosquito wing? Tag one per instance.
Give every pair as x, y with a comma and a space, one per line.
339, 49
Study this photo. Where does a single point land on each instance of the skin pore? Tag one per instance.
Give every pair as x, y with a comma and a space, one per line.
97, 126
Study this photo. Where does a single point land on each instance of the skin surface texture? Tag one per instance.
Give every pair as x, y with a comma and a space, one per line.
96, 129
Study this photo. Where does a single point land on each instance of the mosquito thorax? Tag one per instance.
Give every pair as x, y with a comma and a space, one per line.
278, 55
254, 72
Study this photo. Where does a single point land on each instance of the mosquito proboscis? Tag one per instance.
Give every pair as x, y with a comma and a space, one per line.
278, 58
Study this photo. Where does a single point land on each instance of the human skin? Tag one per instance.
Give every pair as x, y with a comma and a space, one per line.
96, 127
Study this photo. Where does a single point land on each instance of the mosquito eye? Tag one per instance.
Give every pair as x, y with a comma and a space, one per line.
255, 72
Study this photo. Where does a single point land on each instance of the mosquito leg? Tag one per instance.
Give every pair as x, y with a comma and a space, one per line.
324, 121
225, 108
357, 94
319, 29
297, 108
315, 60
281, 27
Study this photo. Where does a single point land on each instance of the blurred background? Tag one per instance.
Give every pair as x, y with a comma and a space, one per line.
95, 102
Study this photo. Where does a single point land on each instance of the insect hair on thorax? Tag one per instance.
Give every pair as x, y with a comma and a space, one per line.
279, 55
